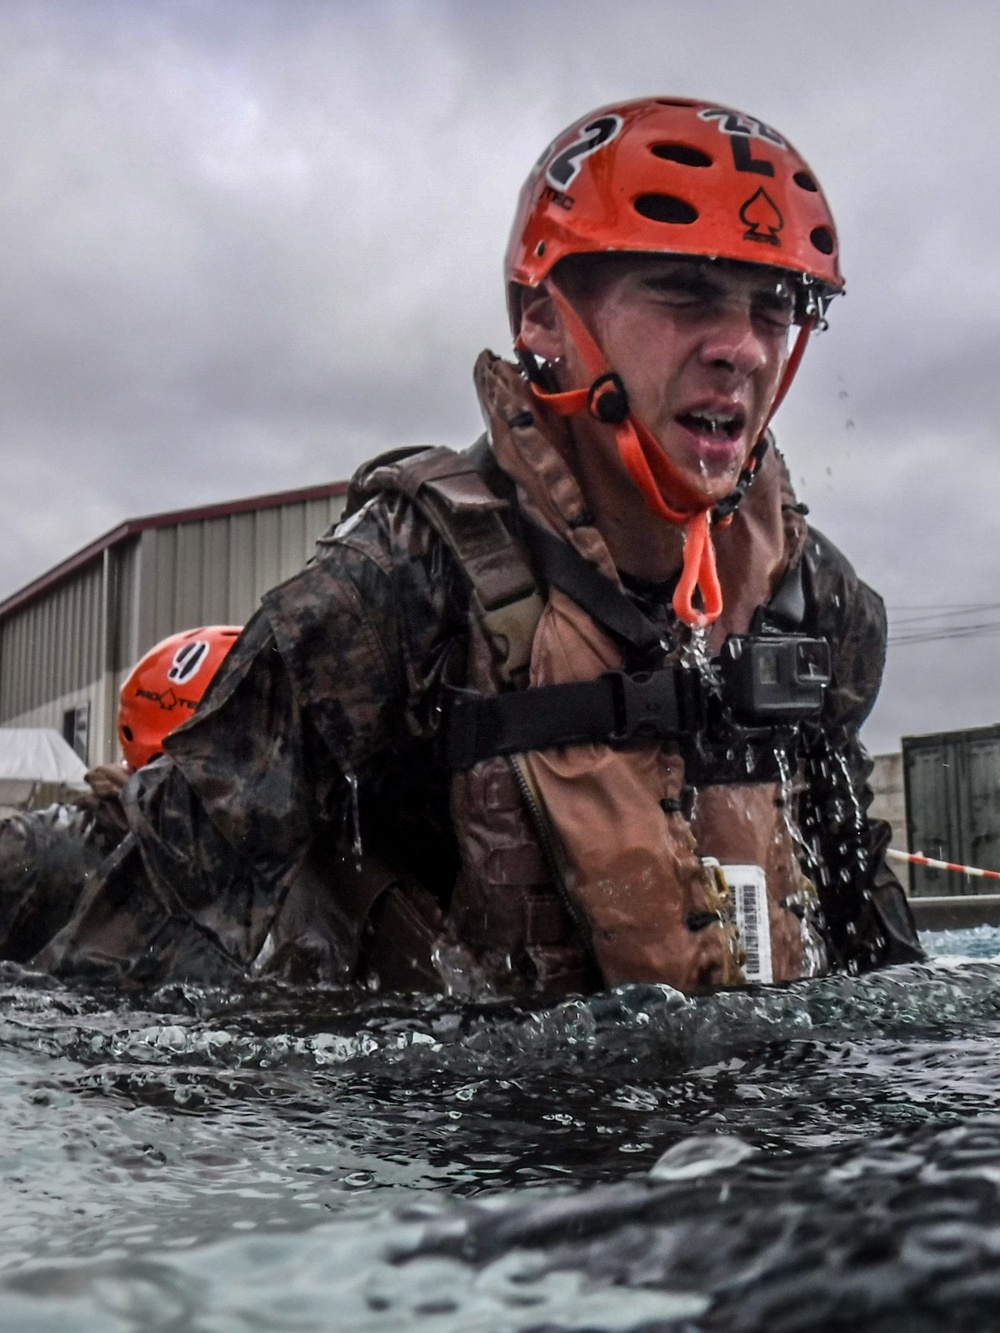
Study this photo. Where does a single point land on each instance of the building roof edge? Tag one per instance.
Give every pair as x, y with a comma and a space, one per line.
169, 518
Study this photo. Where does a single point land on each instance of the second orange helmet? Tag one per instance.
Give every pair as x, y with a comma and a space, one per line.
166, 686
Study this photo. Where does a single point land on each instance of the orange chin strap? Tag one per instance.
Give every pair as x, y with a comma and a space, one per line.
664, 487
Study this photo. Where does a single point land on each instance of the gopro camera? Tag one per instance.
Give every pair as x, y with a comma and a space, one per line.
773, 679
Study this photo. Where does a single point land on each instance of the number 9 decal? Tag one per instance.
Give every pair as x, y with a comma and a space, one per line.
564, 168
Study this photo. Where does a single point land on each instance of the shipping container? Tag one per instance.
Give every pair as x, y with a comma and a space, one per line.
952, 783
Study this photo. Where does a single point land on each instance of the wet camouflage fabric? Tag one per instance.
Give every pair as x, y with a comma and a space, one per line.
321, 725
317, 741
875, 927
46, 858
336, 675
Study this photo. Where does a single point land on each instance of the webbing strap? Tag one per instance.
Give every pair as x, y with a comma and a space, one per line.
614, 709
565, 568
786, 611
562, 566
468, 516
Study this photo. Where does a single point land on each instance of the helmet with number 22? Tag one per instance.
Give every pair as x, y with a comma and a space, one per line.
673, 176
677, 177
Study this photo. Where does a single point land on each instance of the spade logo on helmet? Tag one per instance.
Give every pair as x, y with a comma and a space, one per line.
564, 168
188, 661
763, 218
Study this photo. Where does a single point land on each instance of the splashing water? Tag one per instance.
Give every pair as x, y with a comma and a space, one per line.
355, 818
814, 953
825, 1154
696, 655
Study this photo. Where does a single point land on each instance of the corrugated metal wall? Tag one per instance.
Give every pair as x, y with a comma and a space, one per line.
75, 644
53, 646
214, 572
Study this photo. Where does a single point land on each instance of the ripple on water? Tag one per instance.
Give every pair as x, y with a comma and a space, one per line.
228, 1161
972, 942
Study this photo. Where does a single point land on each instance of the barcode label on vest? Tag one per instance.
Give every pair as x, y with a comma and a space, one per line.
749, 887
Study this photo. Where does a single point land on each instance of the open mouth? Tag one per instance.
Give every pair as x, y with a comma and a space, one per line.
714, 425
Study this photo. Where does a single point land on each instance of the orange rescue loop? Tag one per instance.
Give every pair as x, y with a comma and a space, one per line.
664, 487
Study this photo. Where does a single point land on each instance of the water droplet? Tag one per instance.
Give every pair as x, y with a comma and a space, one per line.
700, 1156
355, 817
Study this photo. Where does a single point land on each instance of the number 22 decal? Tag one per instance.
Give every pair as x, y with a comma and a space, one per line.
741, 130
563, 170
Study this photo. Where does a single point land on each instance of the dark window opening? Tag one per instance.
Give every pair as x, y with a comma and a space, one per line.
76, 730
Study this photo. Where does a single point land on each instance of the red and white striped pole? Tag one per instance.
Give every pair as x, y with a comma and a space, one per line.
915, 859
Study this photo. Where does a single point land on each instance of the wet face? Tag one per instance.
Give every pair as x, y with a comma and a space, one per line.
700, 346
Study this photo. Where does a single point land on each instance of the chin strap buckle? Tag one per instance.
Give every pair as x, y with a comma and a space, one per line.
729, 504
607, 399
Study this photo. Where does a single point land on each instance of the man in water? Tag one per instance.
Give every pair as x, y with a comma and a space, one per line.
580, 706
47, 856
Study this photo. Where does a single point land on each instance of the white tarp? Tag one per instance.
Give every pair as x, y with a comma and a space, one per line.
30, 756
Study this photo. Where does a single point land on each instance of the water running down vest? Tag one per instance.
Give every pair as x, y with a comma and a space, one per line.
584, 859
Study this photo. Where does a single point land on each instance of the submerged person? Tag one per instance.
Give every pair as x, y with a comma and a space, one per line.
579, 706
47, 856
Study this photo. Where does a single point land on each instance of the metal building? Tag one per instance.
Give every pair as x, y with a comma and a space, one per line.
69, 639
953, 805
889, 803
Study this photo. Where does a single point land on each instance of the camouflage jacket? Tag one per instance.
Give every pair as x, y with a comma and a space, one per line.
318, 741
47, 856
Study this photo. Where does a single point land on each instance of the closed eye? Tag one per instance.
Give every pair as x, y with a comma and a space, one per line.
774, 310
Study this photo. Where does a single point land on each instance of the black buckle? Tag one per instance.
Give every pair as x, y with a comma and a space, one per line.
662, 704
614, 709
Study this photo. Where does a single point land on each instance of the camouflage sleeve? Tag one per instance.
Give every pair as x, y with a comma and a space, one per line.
46, 857
366, 631
333, 671
869, 920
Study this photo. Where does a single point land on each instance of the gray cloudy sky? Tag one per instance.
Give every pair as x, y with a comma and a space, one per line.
248, 243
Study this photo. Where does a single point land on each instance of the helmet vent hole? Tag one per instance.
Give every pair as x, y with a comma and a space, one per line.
127, 733
822, 239
666, 208
676, 101
682, 153
540, 249
805, 182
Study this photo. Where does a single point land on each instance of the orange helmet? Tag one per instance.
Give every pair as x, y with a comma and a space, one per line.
673, 176
166, 686
678, 177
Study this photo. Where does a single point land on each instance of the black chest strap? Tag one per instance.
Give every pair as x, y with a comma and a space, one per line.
563, 567
618, 708
615, 709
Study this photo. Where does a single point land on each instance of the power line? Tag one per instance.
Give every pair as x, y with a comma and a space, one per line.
942, 613
943, 633
930, 623
935, 622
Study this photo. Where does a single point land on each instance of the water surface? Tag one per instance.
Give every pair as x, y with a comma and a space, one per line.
825, 1155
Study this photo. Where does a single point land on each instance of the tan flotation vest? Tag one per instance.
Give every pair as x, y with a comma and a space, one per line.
579, 867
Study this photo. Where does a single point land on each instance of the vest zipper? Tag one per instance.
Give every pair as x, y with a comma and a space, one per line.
540, 822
